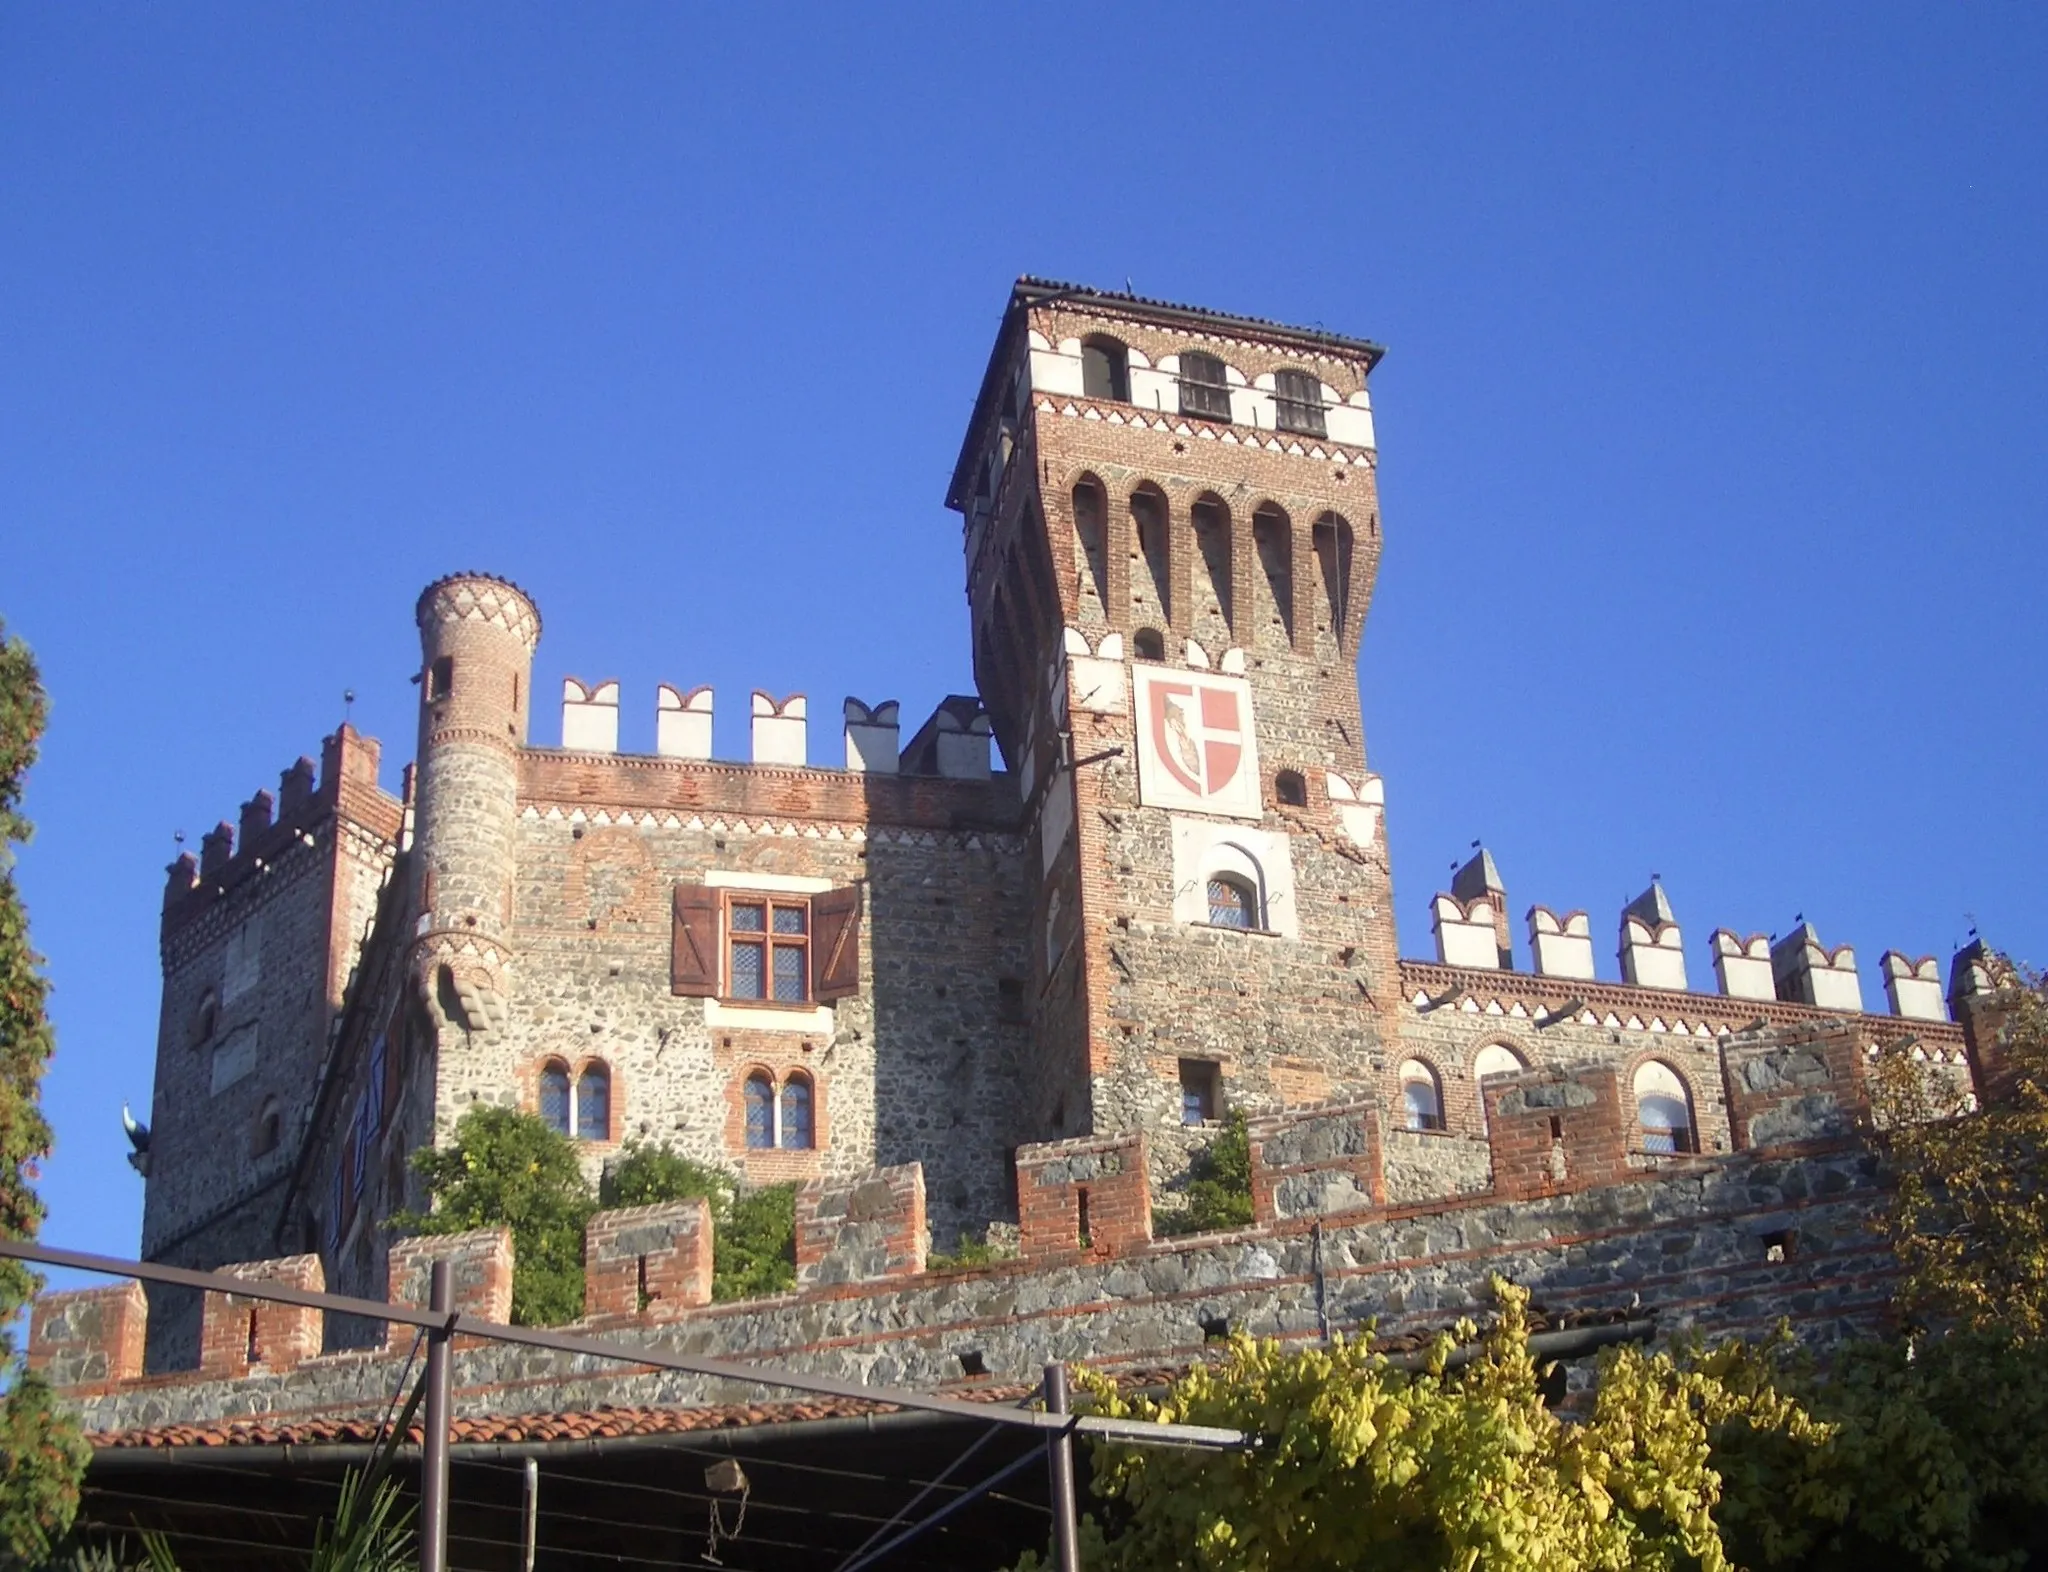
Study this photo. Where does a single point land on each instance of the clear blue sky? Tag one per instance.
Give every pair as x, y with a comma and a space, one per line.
1712, 425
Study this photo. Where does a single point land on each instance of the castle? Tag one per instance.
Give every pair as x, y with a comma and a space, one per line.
1037, 986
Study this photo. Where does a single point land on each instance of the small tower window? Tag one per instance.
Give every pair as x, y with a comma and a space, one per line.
1291, 789
1232, 903
594, 1104
760, 1099
797, 1130
1664, 1111
1422, 1101
1148, 644
1105, 369
441, 677
554, 1096
1200, 1091
1298, 403
1204, 389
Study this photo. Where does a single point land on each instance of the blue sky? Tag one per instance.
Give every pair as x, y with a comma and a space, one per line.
1711, 427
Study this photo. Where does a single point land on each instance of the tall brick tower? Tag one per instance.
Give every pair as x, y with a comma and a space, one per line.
477, 637
1172, 529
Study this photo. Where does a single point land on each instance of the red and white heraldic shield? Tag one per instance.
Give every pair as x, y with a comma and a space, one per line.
1195, 743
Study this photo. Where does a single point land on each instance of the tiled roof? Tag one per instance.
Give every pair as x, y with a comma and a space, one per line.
1031, 289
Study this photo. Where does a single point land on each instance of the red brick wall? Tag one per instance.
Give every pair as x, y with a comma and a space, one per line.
1103, 1176
852, 1231
482, 1264
652, 1262
1555, 1129
1317, 1161
89, 1338
237, 1335
1792, 1084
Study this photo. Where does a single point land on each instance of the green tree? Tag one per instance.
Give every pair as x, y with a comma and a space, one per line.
755, 1253
42, 1456
753, 1232
507, 1168
1362, 1464
1969, 1211
644, 1175
1219, 1184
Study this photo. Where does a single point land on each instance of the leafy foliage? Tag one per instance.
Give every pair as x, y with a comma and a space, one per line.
1969, 1215
1363, 1464
507, 1168
754, 1233
1929, 1455
42, 1456
1219, 1185
643, 1175
970, 1251
756, 1249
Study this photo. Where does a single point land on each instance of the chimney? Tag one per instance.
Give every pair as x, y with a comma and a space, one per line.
1808, 972
953, 743
872, 737
590, 716
1652, 950
1562, 946
1742, 967
682, 723
1479, 879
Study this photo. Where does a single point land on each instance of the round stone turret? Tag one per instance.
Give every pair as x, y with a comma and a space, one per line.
477, 637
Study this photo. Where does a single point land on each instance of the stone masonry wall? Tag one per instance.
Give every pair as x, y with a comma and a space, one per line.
1703, 1246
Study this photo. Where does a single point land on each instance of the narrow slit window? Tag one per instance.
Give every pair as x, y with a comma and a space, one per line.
594, 1104
554, 1097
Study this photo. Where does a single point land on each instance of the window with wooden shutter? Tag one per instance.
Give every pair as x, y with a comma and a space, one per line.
1298, 403
835, 943
693, 954
1204, 386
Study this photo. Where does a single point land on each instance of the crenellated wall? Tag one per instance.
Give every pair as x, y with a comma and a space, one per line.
1778, 1229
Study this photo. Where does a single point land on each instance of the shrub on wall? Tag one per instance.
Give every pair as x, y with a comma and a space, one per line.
1219, 1185
753, 1233
510, 1169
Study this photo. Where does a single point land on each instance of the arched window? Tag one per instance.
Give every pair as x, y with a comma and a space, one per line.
1091, 564
1422, 1100
1232, 903
1204, 386
269, 1127
594, 1104
1151, 572
1298, 402
1332, 537
1493, 1059
1105, 369
1664, 1110
760, 1095
1273, 590
1148, 644
1291, 789
1211, 614
797, 1131
554, 1095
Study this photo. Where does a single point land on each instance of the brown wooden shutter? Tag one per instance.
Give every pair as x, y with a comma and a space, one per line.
835, 943
693, 955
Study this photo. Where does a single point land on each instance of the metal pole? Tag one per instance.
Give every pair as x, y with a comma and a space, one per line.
532, 1513
1066, 1530
434, 1443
